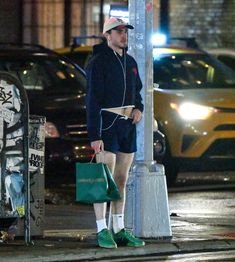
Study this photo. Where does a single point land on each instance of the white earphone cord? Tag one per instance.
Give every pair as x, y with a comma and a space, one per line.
124, 93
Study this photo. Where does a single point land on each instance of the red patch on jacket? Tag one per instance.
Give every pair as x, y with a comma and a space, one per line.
134, 70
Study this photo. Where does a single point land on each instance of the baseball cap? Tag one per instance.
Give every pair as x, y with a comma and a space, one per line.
113, 22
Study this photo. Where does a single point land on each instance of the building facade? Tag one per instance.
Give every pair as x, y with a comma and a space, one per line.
53, 23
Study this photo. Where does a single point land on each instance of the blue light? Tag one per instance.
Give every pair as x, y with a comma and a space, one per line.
159, 39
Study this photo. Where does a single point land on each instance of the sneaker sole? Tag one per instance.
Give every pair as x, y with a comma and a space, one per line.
109, 247
130, 245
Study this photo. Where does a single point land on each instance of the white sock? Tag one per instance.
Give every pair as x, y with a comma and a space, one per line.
118, 222
101, 224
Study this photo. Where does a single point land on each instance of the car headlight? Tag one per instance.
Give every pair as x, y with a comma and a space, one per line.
191, 111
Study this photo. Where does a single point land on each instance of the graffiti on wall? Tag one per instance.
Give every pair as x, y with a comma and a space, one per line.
11, 147
12, 164
36, 170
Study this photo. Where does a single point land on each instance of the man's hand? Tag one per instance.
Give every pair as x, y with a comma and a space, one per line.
97, 145
136, 115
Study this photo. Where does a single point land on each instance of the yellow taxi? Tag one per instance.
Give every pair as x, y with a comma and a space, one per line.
194, 106
77, 51
79, 54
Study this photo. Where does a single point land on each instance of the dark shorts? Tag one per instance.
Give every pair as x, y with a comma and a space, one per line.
120, 137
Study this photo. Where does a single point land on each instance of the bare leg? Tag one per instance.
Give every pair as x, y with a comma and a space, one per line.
121, 235
121, 171
104, 235
109, 159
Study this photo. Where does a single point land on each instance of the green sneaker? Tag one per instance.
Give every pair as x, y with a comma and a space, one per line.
125, 238
105, 239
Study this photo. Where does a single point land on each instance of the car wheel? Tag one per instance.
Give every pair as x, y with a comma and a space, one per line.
171, 170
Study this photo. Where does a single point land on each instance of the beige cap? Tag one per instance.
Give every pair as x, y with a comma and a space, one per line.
113, 22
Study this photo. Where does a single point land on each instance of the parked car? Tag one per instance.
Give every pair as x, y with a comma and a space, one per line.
79, 54
56, 88
194, 105
225, 55
77, 51
186, 74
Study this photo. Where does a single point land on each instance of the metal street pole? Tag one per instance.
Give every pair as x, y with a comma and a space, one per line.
147, 211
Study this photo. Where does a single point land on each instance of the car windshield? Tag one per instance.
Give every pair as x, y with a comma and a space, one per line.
228, 60
189, 71
81, 58
44, 73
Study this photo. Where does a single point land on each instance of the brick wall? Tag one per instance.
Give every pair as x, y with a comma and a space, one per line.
212, 22
10, 21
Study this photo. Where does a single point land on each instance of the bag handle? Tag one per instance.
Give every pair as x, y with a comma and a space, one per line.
92, 157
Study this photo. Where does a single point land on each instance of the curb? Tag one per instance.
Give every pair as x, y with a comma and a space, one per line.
77, 251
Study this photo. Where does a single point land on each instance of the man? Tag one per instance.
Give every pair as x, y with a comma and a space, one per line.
114, 107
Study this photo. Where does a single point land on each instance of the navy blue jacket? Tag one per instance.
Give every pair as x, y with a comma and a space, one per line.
106, 88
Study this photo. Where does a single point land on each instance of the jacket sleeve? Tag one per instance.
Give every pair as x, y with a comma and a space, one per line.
94, 98
138, 98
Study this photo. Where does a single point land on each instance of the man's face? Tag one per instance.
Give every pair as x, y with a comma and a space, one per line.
118, 37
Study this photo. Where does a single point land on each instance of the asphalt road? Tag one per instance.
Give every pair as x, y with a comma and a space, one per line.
220, 256
195, 215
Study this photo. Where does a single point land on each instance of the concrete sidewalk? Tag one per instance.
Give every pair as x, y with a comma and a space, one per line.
65, 238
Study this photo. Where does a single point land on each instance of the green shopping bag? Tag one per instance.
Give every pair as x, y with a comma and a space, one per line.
95, 184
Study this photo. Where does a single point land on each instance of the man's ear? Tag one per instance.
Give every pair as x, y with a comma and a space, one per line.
107, 36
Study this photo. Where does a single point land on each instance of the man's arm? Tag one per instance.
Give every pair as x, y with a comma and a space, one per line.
95, 92
138, 98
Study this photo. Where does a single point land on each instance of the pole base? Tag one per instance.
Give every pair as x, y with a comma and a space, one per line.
147, 210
